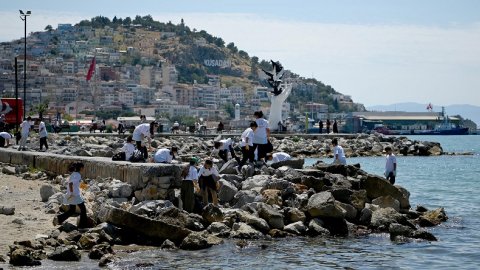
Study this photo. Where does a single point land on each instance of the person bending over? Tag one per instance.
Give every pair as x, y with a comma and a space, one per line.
223, 147
164, 155
277, 157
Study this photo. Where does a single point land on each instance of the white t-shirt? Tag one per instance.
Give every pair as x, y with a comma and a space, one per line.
280, 156
141, 131
176, 124
128, 148
6, 135
163, 156
247, 134
42, 130
208, 172
25, 125
75, 179
260, 134
338, 150
389, 165
192, 174
226, 144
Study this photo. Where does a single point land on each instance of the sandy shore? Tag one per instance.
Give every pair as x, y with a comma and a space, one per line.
24, 195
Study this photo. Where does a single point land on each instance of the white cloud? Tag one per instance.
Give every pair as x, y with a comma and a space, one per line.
376, 64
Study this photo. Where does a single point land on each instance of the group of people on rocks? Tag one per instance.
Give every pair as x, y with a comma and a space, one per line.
25, 128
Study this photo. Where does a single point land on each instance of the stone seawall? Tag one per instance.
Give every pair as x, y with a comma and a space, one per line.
148, 180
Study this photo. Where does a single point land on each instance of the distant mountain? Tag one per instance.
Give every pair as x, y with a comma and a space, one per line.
467, 111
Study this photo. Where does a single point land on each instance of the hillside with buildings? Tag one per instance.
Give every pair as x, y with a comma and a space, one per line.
148, 67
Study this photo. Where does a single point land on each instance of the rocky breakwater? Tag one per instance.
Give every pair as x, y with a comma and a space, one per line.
360, 146
318, 201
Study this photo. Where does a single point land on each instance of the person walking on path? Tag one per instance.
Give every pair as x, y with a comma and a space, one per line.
207, 179
26, 125
261, 135
164, 155
5, 138
328, 126
42, 132
189, 184
141, 131
338, 153
73, 197
390, 165
335, 127
320, 126
223, 147
246, 144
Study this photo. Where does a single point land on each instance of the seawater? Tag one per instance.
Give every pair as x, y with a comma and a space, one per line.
451, 182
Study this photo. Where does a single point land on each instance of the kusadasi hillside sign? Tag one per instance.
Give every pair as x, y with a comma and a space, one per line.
217, 63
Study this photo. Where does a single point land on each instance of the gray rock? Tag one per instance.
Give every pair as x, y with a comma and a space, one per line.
244, 231
106, 259
243, 197
293, 215
247, 171
229, 167
432, 218
98, 251
8, 170
377, 187
65, 253
323, 205
273, 217
83, 153
365, 216
254, 221
219, 229
420, 234
18, 221
167, 244
150, 208
257, 183
195, 241
350, 211
8, 211
342, 194
212, 213
227, 191
396, 229
119, 189
88, 240
292, 163
387, 201
313, 182
358, 199
46, 191
315, 228
382, 218
23, 257
297, 228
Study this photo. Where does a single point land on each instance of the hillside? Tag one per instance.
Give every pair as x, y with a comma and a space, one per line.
196, 54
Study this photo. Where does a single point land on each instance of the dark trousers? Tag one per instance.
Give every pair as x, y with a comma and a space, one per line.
247, 155
187, 195
223, 154
391, 178
43, 141
261, 152
2, 142
71, 211
143, 149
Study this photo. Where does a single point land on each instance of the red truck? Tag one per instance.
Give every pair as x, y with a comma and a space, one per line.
13, 111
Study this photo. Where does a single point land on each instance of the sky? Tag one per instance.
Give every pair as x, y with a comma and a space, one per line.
377, 51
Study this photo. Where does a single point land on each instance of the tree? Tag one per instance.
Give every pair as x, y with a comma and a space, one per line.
231, 46
230, 110
127, 21
41, 108
49, 28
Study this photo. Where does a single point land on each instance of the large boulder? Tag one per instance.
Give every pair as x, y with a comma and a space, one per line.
98, 251
88, 240
158, 229
297, 228
292, 163
396, 230
150, 208
229, 167
323, 205
257, 183
195, 241
358, 199
272, 197
46, 191
227, 191
23, 257
383, 217
219, 229
254, 221
244, 231
65, 253
271, 215
377, 186
387, 201
293, 215
432, 218
313, 182
212, 213
119, 189
350, 211
315, 228
8, 211
243, 197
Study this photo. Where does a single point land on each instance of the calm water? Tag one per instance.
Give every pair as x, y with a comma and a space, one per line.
452, 182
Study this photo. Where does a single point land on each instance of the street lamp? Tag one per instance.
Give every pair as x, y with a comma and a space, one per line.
24, 16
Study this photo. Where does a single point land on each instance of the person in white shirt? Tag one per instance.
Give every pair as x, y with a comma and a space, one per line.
222, 147
164, 155
175, 127
338, 153
189, 183
207, 179
261, 135
128, 148
42, 133
73, 197
141, 131
5, 138
26, 125
277, 157
390, 165
247, 145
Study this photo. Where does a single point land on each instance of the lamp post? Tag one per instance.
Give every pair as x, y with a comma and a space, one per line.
24, 16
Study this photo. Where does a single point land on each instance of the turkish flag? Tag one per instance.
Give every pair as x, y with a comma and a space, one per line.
91, 70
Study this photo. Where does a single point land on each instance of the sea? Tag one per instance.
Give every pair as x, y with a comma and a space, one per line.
452, 182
